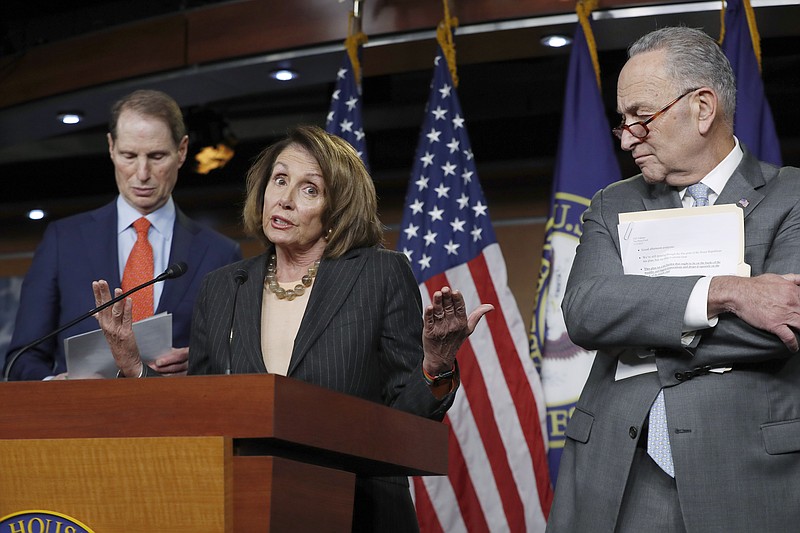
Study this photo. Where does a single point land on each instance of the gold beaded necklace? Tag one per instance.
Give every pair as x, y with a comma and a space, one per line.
271, 280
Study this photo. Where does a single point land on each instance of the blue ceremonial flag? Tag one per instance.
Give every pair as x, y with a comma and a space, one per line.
497, 474
344, 116
586, 162
753, 124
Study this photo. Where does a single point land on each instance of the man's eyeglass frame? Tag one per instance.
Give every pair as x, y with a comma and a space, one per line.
641, 126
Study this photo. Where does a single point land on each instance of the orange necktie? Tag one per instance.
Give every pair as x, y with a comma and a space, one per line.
138, 270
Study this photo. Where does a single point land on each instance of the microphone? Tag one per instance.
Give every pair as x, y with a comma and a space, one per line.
239, 277
174, 271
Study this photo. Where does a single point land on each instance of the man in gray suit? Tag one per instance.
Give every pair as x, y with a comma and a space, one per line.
727, 376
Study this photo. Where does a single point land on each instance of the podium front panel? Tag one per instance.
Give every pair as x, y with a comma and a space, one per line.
169, 484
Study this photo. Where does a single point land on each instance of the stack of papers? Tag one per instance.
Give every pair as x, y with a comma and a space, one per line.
89, 356
697, 241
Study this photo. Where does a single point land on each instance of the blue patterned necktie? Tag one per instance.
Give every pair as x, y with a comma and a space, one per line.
699, 191
658, 436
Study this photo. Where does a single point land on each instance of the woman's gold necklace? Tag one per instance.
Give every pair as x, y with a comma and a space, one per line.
271, 280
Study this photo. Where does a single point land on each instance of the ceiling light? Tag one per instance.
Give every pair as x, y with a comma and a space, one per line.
36, 214
71, 117
283, 74
556, 41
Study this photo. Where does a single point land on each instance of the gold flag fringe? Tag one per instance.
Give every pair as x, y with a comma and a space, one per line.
584, 9
751, 24
444, 36
351, 44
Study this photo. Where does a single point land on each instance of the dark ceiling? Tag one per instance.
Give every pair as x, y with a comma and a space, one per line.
511, 100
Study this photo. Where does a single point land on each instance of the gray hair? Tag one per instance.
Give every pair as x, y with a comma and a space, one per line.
693, 59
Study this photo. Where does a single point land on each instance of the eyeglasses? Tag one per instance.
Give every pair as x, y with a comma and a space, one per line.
639, 129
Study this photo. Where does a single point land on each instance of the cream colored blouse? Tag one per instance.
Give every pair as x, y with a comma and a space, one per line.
280, 321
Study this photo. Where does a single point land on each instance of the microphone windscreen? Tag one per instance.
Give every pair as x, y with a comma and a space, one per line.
240, 276
177, 270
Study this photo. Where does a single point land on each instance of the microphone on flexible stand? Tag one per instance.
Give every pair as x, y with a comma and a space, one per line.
174, 271
239, 277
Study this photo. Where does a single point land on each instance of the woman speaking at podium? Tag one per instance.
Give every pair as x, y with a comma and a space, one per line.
325, 303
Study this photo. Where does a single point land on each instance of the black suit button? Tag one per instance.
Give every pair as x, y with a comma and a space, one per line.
633, 432
679, 376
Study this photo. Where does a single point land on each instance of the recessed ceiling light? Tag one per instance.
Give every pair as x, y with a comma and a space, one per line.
283, 74
36, 214
71, 117
556, 41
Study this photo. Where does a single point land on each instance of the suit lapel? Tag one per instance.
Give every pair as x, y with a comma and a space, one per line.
248, 314
185, 247
334, 276
742, 187
100, 242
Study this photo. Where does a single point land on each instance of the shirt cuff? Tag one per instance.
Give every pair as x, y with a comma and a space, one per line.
696, 314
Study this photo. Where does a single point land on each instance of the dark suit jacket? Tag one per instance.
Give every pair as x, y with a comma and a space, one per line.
361, 335
735, 436
80, 249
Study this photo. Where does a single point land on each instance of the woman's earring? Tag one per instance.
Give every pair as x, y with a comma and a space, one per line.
327, 236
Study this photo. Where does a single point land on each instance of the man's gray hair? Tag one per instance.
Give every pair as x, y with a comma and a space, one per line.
693, 60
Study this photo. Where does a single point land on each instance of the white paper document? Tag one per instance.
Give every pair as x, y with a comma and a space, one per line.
699, 241
89, 356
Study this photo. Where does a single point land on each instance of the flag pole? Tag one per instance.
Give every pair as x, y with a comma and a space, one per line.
356, 16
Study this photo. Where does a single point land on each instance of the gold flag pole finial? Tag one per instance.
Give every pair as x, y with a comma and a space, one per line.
584, 10
444, 36
355, 38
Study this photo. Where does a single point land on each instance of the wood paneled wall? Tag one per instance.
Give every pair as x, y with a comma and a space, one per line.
233, 30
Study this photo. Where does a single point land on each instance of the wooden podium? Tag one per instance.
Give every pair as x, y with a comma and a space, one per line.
207, 454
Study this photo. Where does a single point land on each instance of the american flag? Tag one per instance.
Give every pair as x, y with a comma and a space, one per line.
344, 116
497, 478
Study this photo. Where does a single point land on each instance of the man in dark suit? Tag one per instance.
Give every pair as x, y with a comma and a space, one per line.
726, 371
148, 144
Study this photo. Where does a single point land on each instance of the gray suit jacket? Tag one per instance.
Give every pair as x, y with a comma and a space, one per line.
735, 436
361, 335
